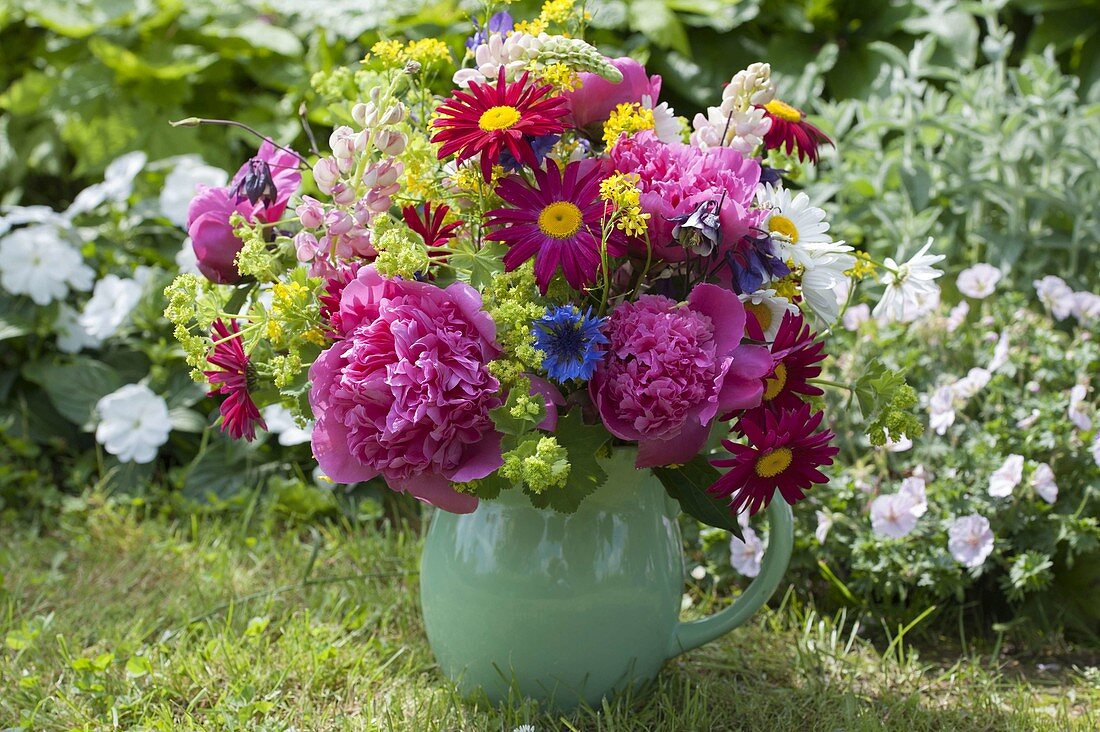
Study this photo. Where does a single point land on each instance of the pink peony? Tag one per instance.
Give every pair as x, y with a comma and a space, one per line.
407, 393
212, 236
593, 102
671, 368
676, 178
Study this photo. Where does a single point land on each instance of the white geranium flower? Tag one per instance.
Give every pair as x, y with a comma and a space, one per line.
900, 444
957, 316
20, 215
856, 316
941, 409
71, 336
36, 261
978, 281
1026, 422
824, 523
186, 260
745, 556
911, 289
1042, 480
970, 540
969, 385
182, 183
117, 185
1095, 449
112, 301
1000, 353
1076, 411
1086, 307
133, 423
281, 422
913, 487
1056, 295
1005, 478
894, 515
768, 308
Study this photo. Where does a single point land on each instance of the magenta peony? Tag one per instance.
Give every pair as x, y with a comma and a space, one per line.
406, 394
593, 101
676, 178
212, 236
671, 368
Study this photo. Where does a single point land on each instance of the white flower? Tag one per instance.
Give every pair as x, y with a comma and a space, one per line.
513, 53
133, 423
824, 523
768, 309
117, 185
1043, 483
182, 183
745, 556
666, 125
36, 261
1000, 353
19, 215
978, 281
698, 572
795, 225
281, 422
739, 122
969, 385
186, 260
822, 280
1056, 295
1006, 477
957, 316
1026, 422
941, 409
894, 515
71, 336
1076, 410
970, 540
1086, 307
1095, 449
911, 289
913, 487
111, 303
901, 444
856, 316
525, 728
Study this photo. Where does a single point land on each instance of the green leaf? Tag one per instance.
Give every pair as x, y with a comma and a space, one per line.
75, 387
582, 442
16, 318
688, 485
138, 666
658, 23
476, 266
187, 420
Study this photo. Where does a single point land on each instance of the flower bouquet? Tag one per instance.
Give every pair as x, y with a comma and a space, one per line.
504, 278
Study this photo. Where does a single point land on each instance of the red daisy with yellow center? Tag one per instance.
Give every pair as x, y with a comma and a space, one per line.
491, 118
791, 131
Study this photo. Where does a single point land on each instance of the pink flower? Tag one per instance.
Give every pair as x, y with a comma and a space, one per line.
259, 192
671, 368
229, 377
407, 393
594, 100
677, 178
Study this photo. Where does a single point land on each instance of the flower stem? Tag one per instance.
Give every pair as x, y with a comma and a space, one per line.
195, 121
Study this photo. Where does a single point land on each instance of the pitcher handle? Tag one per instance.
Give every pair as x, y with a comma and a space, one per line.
695, 633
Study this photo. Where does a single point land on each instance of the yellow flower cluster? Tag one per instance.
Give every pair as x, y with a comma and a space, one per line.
864, 266
513, 303
553, 11
561, 77
468, 178
788, 287
627, 118
426, 52
293, 304
621, 190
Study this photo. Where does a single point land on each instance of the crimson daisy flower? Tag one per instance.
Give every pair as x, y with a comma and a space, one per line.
791, 130
796, 354
558, 222
330, 298
783, 453
489, 119
429, 224
239, 413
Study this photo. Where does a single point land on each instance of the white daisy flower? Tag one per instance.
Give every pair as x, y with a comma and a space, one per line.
1005, 478
978, 281
112, 301
768, 308
117, 185
894, 515
281, 422
133, 423
1042, 480
824, 278
37, 262
941, 409
1056, 295
824, 523
182, 183
911, 289
957, 316
1077, 406
970, 540
746, 556
796, 227
666, 125
71, 336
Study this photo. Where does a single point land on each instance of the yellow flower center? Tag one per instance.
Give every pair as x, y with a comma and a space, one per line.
762, 313
784, 227
783, 111
560, 220
498, 118
774, 462
775, 384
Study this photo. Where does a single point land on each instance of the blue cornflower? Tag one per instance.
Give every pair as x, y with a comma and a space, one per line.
571, 340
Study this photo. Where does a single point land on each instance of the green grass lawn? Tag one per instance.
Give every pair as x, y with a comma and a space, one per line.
110, 622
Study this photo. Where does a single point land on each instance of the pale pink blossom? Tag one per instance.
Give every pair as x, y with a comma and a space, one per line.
894, 515
824, 523
970, 540
746, 556
957, 316
1042, 480
978, 281
1056, 295
1077, 407
1005, 478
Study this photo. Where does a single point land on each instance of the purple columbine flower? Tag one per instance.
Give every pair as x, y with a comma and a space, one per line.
752, 262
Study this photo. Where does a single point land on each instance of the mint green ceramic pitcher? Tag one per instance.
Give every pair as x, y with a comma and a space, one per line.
571, 608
